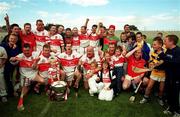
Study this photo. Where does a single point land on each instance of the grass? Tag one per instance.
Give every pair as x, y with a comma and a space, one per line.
83, 106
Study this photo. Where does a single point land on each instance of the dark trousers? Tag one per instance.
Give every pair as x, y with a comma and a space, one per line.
172, 88
118, 72
8, 75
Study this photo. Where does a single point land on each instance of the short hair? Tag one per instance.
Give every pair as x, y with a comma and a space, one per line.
173, 38
39, 20
123, 33
95, 63
159, 40
103, 27
126, 25
13, 34
52, 26
160, 33
139, 33
27, 24
60, 26
119, 48
26, 45
112, 43
68, 29
94, 26
75, 28
46, 46
84, 27
144, 36
106, 62
14, 25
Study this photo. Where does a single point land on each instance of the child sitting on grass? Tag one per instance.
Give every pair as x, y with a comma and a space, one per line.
94, 87
107, 78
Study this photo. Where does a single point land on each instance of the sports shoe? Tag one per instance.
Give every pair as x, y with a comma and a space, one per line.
91, 93
144, 100
167, 112
20, 107
161, 102
4, 99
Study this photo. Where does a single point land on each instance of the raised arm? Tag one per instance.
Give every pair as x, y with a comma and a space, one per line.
98, 28
131, 52
6, 18
86, 23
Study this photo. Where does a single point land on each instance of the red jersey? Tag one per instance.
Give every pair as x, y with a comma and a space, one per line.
29, 38
136, 63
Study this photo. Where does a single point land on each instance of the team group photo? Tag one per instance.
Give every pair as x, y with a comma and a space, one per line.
80, 64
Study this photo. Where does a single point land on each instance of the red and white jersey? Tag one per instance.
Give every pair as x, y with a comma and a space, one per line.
41, 37
106, 77
56, 41
43, 66
75, 43
94, 40
118, 61
86, 62
25, 66
84, 40
69, 62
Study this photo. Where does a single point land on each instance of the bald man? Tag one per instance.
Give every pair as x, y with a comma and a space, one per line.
85, 62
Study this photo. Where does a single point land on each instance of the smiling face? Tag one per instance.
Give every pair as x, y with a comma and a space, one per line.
105, 66
168, 44
15, 30
93, 29
40, 26
90, 52
46, 52
83, 30
93, 65
27, 51
69, 48
27, 28
111, 31
126, 29
156, 45
139, 38
60, 29
117, 52
53, 30
75, 32
138, 54
112, 49
12, 39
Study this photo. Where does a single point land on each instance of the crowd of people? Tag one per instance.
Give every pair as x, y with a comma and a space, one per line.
106, 64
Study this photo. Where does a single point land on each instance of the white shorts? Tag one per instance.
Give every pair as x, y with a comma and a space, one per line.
127, 77
157, 78
26, 80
